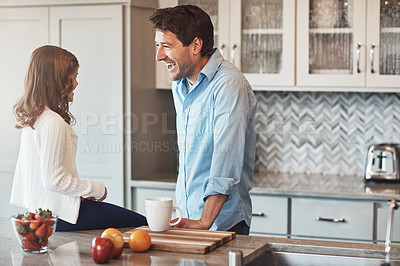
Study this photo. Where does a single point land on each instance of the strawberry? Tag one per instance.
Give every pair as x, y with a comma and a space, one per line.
38, 216
31, 245
24, 221
49, 230
41, 231
30, 237
41, 214
44, 241
34, 224
29, 216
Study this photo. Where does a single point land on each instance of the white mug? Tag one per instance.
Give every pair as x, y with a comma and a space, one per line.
159, 212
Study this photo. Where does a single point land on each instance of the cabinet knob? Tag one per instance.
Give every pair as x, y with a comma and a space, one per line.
260, 214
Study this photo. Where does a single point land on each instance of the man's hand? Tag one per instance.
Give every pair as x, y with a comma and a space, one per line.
212, 207
193, 224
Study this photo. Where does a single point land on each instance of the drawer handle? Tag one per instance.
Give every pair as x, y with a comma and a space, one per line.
260, 214
335, 220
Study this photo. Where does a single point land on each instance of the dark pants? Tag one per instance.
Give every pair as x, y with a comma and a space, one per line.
102, 215
240, 228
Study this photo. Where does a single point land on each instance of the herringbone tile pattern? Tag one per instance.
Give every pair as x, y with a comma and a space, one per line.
323, 133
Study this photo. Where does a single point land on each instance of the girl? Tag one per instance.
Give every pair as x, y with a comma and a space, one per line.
46, 175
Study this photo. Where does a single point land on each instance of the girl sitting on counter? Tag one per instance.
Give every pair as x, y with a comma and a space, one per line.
46, 176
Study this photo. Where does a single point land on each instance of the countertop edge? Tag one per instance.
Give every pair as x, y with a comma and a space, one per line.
161, 184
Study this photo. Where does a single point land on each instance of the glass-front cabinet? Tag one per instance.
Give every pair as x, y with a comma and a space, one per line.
338, 45
348, 43
256, 35
262, 41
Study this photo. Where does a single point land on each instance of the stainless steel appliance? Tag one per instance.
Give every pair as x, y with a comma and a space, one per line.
383, 163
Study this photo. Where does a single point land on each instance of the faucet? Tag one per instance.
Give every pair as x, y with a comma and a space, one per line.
392, 206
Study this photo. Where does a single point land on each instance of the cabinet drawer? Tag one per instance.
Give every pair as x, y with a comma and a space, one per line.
270, 215
382, 219
357, 218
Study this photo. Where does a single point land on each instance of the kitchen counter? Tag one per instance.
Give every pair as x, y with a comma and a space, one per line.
332, 186
73, 248
303, 185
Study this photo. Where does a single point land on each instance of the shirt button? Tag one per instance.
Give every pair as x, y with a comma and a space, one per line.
186, 110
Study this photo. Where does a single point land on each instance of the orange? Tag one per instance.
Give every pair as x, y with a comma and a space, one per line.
139, 241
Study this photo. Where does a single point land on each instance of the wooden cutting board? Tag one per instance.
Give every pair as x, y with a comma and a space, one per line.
185, 240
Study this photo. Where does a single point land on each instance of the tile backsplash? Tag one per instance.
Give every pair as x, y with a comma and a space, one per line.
323, 132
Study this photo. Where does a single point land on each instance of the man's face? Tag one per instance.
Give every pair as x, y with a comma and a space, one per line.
178, 58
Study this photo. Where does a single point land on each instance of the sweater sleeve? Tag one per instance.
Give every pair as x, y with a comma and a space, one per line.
57, 159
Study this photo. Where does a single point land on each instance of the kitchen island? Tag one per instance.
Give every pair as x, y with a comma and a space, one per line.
73, 248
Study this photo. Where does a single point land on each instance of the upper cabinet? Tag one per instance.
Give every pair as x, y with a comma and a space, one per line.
352, 44
256, 36
319, 45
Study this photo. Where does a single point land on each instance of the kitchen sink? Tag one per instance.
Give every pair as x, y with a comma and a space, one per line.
295, 259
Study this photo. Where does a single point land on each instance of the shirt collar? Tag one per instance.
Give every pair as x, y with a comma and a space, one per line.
213, 64
208, 70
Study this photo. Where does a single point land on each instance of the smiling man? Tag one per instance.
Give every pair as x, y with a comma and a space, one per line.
215, 108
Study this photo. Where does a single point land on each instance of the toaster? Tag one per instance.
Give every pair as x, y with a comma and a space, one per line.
383, 163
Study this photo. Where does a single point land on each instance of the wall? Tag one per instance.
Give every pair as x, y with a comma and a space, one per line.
152, 140
323, 132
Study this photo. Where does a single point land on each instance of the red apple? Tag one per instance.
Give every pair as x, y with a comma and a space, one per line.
101, 249
118, 241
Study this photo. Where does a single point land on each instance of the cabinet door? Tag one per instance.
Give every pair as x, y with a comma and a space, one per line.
270, 215
22, 30
262, 41
383, 43
342, 219
94, 35
331, 46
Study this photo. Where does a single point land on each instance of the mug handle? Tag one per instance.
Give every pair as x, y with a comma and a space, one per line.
180, 216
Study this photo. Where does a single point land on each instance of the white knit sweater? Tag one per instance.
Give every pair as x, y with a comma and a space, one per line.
46, 176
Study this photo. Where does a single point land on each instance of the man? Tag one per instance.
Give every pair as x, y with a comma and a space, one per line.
215, 108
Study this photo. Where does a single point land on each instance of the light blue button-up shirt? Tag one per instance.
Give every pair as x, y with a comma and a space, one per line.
216, 140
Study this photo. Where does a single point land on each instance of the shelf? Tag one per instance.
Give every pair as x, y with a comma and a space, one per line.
262, 31
332, 31
390, 30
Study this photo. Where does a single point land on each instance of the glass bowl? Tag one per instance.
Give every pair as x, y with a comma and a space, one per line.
34, 235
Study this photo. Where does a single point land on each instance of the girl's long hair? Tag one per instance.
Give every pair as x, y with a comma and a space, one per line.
48, 82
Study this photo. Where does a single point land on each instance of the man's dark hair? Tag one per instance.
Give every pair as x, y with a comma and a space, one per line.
186, 22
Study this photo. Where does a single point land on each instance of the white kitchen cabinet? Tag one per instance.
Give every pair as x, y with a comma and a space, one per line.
331, 218
257, 36
348, 44
270, 215
94, 35
21, 31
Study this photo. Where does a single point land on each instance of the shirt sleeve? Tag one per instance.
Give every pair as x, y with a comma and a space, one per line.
57, 161
231, 111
